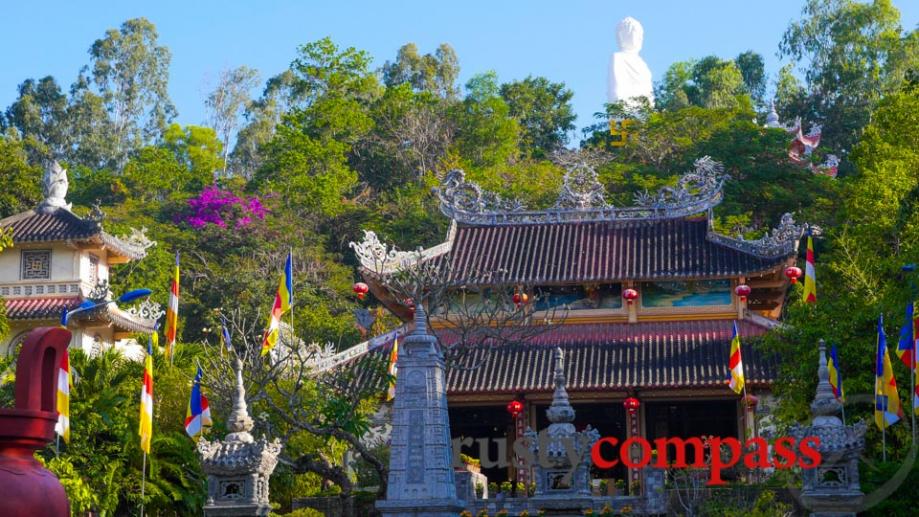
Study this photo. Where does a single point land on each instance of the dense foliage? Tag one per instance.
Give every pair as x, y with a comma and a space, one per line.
332, 147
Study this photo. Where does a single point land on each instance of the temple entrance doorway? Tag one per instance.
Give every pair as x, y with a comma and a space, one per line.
691, 419
488, 423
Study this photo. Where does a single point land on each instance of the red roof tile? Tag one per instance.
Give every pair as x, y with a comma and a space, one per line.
39, 308
606, 251
55, 225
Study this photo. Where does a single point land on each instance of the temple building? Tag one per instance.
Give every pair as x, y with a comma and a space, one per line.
59, 260
643, 298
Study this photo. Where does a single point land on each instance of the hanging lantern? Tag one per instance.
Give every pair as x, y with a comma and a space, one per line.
631, 405
520, 299
793, 273
751, 401
515, 407
410, 304
743, 290
630, 295
361, 289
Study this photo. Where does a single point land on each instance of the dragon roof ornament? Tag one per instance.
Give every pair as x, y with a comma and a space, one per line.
779, 242
582, 198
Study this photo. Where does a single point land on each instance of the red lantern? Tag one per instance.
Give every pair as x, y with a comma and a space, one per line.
631, 405
520, 299
515, 407
361, 289
743, 290
410, 304
793, 273
630, 295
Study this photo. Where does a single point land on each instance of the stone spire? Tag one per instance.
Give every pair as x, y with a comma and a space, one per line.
833, 489
825, 407
238, 467
239, 421
560, 412
421, 478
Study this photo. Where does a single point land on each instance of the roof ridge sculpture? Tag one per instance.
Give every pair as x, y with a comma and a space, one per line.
778, 242
583, 198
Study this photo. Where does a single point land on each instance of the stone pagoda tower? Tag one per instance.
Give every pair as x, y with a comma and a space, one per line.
559, 484
421, 481
832, 489
238, 467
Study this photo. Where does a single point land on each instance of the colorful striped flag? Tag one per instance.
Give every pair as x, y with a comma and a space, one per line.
172, 312
64, 383
887, 409
835, 375
282, 303
810, 273
735, 363
198, 415
146, 399
907, 345
392, 370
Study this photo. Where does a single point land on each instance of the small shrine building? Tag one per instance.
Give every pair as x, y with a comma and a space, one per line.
59, 260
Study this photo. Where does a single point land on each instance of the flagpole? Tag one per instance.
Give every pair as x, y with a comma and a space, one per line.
143, 483
912, 386
293, 335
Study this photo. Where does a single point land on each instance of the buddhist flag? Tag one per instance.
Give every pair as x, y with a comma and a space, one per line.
810, 274
64, 382
172, 312
907, 345
735, 363
393, 357
887, 409
146, 401
835, 375
282, 303
225, 335
198, 415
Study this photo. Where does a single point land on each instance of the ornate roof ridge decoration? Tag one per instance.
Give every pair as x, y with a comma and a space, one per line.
133, 246
147, 310
779, 242
380, 258
582, 199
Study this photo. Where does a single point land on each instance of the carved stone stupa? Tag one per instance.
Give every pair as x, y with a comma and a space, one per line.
238, 467
421, 480
832, 489
556, 478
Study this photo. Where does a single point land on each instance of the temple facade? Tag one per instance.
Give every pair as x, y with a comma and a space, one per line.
643, 298
58, 261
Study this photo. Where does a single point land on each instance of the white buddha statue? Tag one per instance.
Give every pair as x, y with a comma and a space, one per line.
629, 75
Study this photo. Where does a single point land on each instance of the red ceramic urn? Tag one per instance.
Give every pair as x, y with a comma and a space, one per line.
27, 488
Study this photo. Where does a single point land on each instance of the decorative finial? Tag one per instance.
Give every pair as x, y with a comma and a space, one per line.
421, 318
560, 411
772, 119
239, 422
54, 184
825, 407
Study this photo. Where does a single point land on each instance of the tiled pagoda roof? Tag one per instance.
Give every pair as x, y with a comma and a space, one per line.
48, 224
598, 251
613, 356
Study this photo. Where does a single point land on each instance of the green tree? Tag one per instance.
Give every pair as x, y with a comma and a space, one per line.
710, 82
753, 71
543, 110
486, 133
435, 73
853, 52
307, 160
130, 72
21, 181
226, 102
262, 116
39, 114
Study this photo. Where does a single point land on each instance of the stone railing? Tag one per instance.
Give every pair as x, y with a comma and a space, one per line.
43, 288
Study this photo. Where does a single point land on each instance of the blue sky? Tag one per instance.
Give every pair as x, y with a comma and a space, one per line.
566, 41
